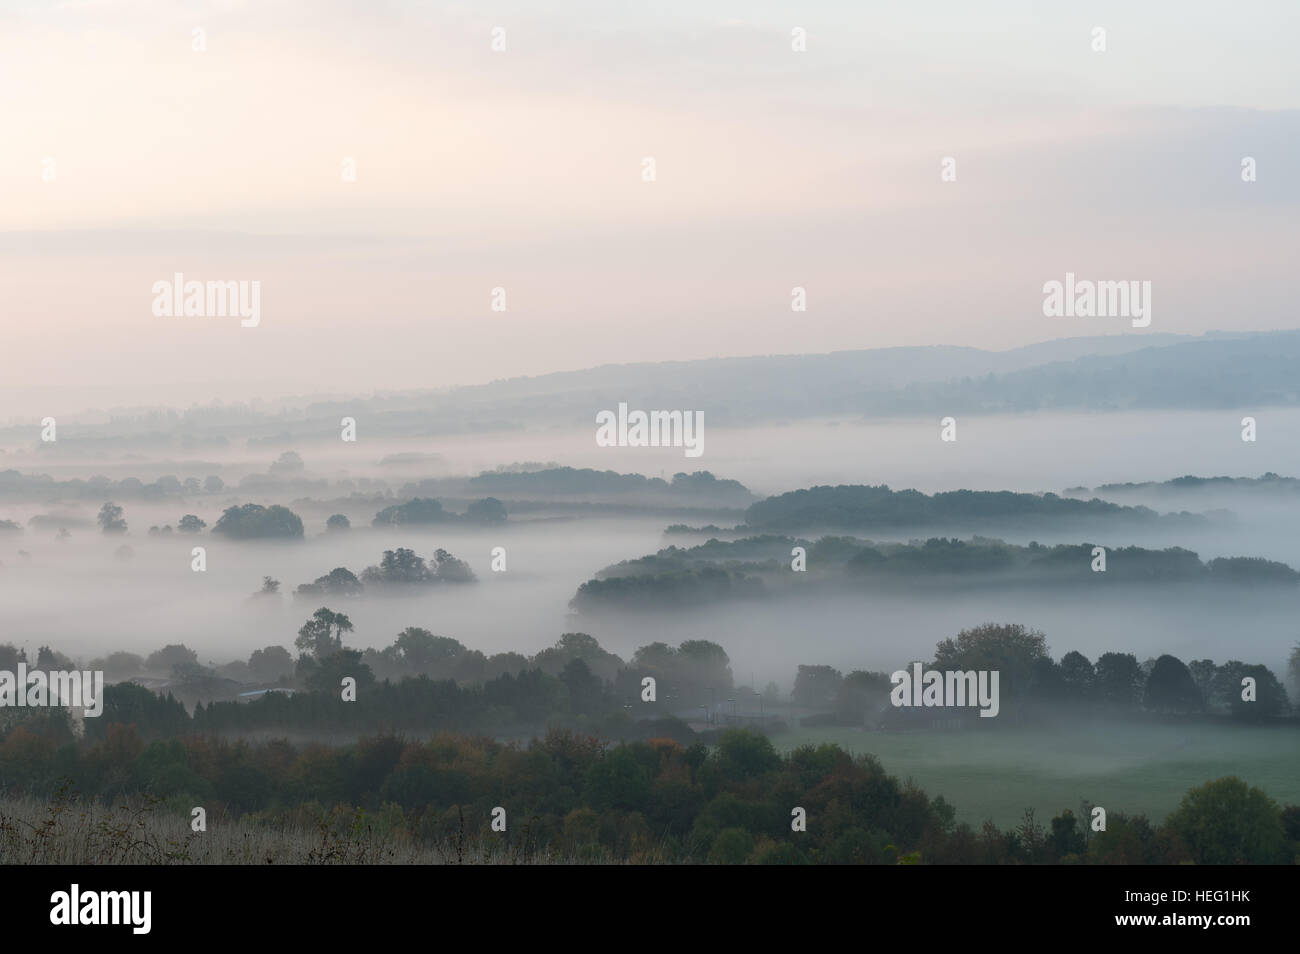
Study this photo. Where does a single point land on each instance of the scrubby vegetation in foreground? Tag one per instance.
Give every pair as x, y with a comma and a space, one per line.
72, 831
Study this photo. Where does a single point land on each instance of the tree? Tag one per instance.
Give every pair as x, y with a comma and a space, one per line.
1291, 823
1078, 676
657, 657
422, 651
128, 707
416, 510
866, 559
169, 657
816, 687
110, 518
586, 692
119, 665
338, 522
620, 779
860, 693
1009, 648
1046, 681
705, 661
1203, 672
500, 663
339, 581
326, 674
1270, 696
1227, 822
190, 524
253, 521
489, 510
732, 846
288, 463
322, 634
49, 659
1171, 688
1067, 837
270, 586
746, 754
572, 646
451, 569
270, 664
400, 566
1293, 670
1119, 679
213, 485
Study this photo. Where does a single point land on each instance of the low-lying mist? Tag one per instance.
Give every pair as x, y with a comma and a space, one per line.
85, 595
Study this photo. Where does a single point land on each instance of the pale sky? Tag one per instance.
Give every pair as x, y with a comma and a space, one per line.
523, 169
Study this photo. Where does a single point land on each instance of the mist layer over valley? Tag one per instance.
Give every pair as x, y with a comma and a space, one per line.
554, 541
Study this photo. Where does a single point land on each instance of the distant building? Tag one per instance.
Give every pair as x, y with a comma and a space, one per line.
152, 683
259, 693
943, 718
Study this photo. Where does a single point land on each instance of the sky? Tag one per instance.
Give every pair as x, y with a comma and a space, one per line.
132, 148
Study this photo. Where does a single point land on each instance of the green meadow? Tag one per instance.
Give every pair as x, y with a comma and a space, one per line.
1131, 768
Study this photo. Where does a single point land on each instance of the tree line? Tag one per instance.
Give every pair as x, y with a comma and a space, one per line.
739, 801
1032, 683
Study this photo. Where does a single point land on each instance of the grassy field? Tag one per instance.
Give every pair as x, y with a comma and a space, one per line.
1133, 768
